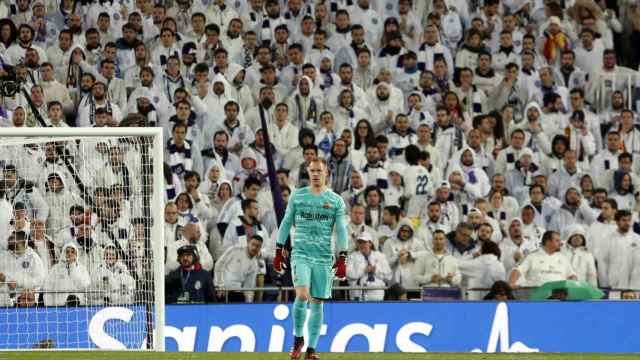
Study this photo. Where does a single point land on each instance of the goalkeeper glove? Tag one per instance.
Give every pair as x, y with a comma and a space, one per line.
279, 261
340, 266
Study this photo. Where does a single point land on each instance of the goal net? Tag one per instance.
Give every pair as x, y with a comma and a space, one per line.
81, 244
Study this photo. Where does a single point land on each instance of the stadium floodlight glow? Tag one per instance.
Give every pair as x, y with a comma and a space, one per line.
81, 232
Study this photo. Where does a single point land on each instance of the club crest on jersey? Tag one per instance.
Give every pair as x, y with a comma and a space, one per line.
326, 205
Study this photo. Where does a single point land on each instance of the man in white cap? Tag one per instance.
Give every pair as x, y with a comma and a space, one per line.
367, 267
449, 208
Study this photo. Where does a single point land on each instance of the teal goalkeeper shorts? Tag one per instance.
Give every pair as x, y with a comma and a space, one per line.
318, 278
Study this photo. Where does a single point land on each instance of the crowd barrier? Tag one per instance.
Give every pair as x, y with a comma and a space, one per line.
521, 326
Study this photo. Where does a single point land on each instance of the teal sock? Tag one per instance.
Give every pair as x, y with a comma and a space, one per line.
315, 323
299, 316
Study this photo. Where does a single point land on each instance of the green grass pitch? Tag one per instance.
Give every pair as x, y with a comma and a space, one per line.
282, 356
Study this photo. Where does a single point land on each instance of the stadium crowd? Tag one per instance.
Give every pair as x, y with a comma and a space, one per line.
473, 142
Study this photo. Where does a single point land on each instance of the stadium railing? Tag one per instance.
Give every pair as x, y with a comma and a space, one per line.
427, 293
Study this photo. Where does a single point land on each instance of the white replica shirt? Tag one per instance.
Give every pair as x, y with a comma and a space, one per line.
418, 185
540, 267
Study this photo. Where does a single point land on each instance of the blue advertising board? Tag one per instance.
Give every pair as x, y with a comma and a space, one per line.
605, 326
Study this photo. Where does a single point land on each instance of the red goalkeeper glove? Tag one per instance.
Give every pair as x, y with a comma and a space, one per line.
340, 266
279, 261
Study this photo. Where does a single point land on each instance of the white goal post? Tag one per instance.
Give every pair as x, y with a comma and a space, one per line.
82, 239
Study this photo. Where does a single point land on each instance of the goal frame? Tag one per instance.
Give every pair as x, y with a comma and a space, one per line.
156, 204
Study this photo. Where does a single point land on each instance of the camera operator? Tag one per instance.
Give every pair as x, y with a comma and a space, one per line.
20, 190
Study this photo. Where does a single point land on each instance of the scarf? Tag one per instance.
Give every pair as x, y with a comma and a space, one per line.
442, 83
328, 80
151, 116
126, 182
170, 52
351, 117
370, 276
552, 43
170, 191
180, 160
74, 74
327, 142
177, 83
389, 51
357, 47
506, 50
429, 92
311, 113
183, 15
92, 109
568, 132
340, 172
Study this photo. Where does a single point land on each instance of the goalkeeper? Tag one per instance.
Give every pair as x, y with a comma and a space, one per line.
314, 211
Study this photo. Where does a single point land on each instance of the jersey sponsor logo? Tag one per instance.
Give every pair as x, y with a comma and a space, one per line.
314, 216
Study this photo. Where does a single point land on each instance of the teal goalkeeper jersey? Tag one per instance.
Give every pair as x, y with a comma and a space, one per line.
314, 218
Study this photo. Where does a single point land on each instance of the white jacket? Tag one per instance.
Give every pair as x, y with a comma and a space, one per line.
601, 164
235, 269
69, 279
116, 283
583, 263
508, 249
6, 214
565, 216
616, 266
284, 139
481, 273
442, 264
597, 238
173, 232
27, 270
634, 276
356, 266
59, 204
416, 245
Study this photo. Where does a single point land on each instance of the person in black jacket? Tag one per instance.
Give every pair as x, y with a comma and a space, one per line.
189, 283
